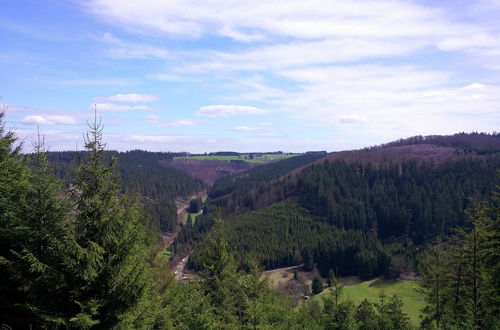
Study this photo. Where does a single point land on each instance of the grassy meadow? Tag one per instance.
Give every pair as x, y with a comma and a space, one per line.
354, 289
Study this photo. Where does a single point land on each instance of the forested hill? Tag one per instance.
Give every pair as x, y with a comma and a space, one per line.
141, 173
480, 143
256, 178
397, 200
438, 148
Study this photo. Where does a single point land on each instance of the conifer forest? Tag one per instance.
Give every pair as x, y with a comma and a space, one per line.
81, 238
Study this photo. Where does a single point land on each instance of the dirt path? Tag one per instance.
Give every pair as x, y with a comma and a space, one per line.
182, 205
267, 272
177, 264
179, 268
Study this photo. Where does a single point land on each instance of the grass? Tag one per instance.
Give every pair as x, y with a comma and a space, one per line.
245, 157
413, 302
356, 290
166, 252
193, 216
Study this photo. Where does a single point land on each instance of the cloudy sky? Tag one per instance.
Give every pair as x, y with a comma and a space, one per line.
249, 75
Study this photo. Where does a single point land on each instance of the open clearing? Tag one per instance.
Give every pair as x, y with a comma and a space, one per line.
249, 158
193, 216
354, 289
406, 290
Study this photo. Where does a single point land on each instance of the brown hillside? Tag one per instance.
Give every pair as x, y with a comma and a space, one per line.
207, 170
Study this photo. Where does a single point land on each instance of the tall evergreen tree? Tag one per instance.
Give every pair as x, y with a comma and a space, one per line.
467, 294
112, 279
40, 263
365, 316
317, 285
14, 205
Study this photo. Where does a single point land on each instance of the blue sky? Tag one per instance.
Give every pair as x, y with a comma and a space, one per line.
261, 75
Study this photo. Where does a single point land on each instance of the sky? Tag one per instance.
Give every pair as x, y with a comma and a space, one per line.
260, 75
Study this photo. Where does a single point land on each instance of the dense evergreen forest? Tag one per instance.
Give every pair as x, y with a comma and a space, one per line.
257, 176
480, 143
141, 173
357, 212
79, 255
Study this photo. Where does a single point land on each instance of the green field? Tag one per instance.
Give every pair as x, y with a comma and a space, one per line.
193, 216
166, 252
356, 290
245, 157
406, 290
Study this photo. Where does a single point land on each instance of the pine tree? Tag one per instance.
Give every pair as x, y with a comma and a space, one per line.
433, 274
41, 262
221, 280
317, 285
398, 320
14, 185
467, 292
112, 279
338, 312
365, 316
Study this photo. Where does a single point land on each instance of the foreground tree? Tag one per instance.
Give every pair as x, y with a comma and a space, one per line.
112, 284
462, 289
365, 316
14, 185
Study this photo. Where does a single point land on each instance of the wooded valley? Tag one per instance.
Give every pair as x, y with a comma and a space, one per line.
81, 237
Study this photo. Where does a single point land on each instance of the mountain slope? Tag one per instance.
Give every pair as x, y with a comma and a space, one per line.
401, 196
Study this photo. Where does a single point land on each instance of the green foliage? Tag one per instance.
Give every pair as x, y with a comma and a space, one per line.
14, 204
389, 210
239, 300
338, 316
365, 316
275, 234
335, 311
460, 275
195, 205
111, 273
254, 178
141, 173
317, 285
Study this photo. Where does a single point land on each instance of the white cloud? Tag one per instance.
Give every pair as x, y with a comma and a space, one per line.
48, 120
352, 119
292, 18
111, 107
246, 128
179, 123
134, 98
153, 119
153, 138
344, 30
474, 86
229, 110
120, 49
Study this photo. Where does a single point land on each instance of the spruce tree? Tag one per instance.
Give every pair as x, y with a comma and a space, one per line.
41, 261
112, 279
317, 285
221, 279
397, 319
14, 205
365, 316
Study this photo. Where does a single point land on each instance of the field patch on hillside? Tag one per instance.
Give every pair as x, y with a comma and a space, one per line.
297, 283
408, 291
249, 158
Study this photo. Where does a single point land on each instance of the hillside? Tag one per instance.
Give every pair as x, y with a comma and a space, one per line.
400, 197
141, 173
207, 170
